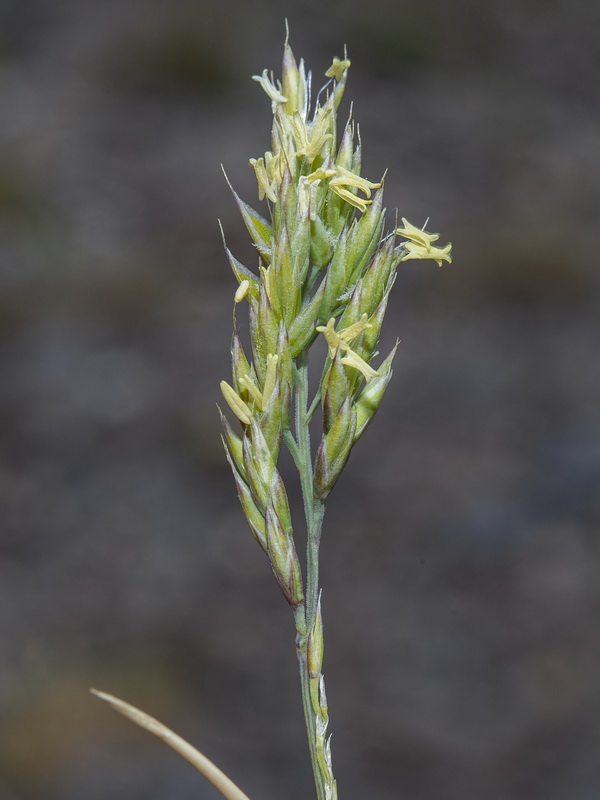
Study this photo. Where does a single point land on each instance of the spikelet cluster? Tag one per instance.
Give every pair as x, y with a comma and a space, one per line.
325, 266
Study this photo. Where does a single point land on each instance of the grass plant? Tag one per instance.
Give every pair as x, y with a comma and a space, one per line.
326, 267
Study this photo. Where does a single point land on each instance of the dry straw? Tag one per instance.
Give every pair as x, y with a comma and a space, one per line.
326, 266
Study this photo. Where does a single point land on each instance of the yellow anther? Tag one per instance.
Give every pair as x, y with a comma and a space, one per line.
344, 177
297, 127
416, 235
253, 391
265, 186
353, 331
331, 337
312, 138
437, 254
242, 291
352, 359
269, 87
261, 399
340, 179
338, 67
420, 244
340, 340
235, 403
320, 174
354, 200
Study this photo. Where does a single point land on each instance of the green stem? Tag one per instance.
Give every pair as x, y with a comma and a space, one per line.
313, 510
301, 653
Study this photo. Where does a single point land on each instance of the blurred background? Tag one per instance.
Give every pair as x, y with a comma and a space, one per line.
461, 556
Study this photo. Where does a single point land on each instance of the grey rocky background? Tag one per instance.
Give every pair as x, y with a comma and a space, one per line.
461, 553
